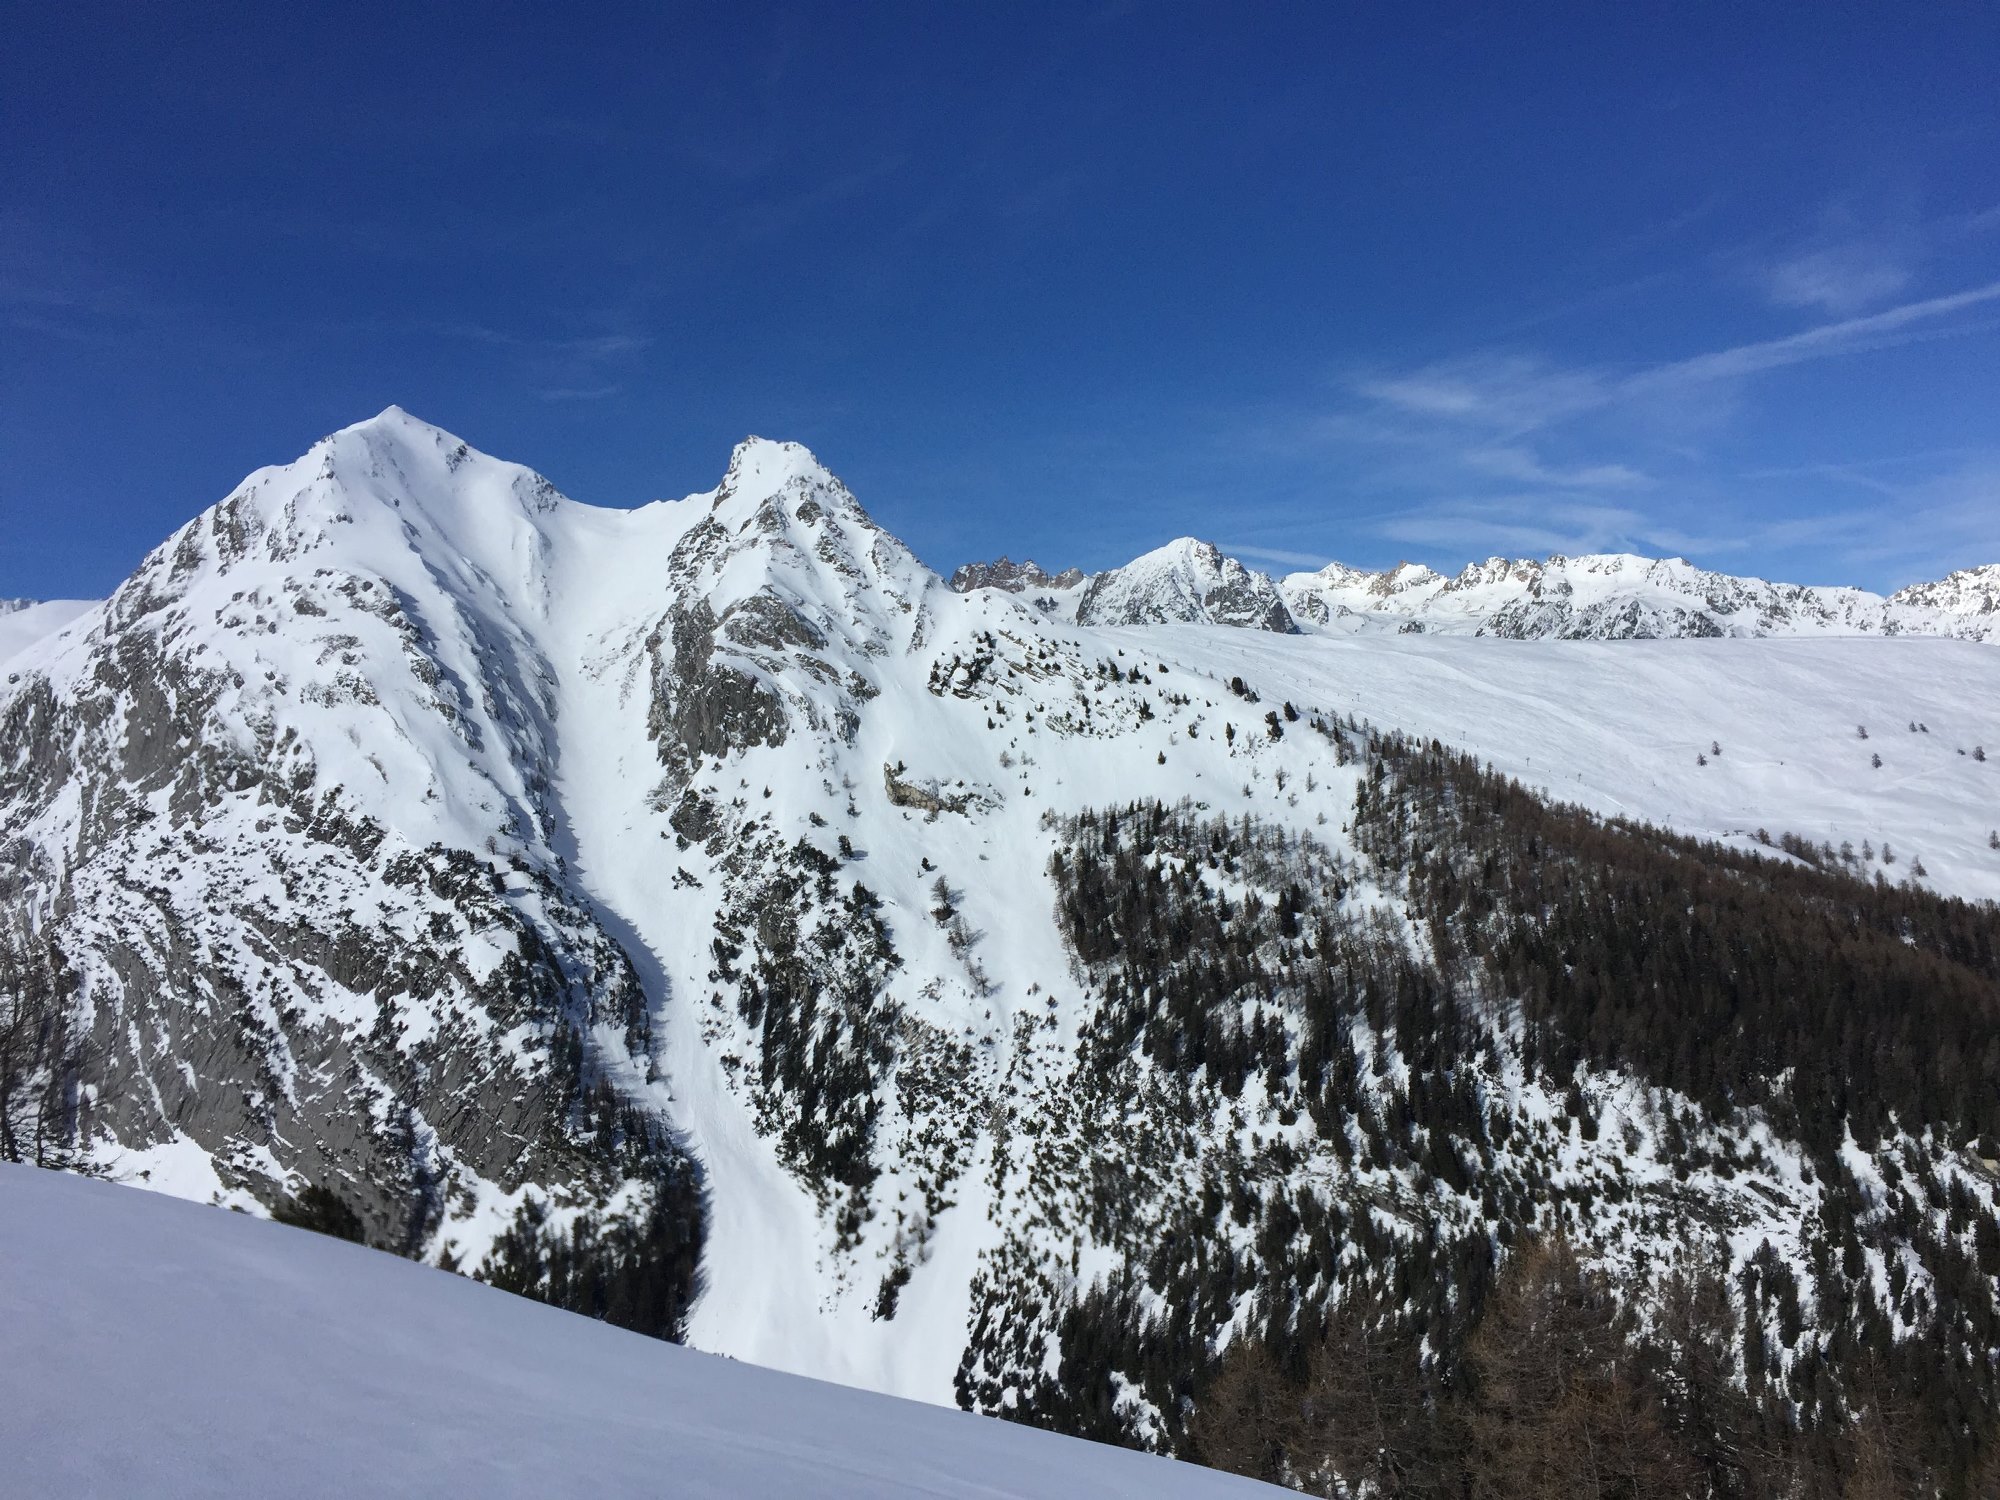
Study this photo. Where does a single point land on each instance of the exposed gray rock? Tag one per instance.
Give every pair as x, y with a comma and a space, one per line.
926, 797
705, 705
1012, 577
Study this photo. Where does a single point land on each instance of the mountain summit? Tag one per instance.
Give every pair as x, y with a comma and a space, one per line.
1186, 581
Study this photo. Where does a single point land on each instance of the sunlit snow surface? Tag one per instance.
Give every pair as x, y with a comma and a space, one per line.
1623, 727
26, 621
154, 1347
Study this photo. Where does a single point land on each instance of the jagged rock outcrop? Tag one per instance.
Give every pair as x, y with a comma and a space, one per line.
1186, 581
1012, 577
929, 798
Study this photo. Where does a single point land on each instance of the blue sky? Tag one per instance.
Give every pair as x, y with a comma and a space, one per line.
1314, 281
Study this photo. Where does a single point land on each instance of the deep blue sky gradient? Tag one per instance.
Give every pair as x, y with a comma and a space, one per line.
1315, 281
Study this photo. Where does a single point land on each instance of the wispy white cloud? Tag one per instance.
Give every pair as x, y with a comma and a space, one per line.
559, 367
1509, 393
780, 215
1523, 466
1513, 394
1522, 524
1276, 555
1534, 524
1942, 521
1843, 278
1882, 330
586, 347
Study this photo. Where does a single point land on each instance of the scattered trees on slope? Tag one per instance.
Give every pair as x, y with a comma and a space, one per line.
1367, 1343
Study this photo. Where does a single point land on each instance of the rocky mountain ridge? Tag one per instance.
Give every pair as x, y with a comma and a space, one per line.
1004, 573
1607, 596
1616, 596
1185, 582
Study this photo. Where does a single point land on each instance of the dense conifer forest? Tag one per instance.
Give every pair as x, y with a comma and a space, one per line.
1593, 1160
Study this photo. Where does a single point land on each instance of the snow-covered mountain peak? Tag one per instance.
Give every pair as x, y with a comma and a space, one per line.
1340, 575
1525, 571
1397, 580
782, 521
404, 461
392, 499
1972, 593
391, 422
1185, 581
393, 416
764, 466
778, 494
771, 606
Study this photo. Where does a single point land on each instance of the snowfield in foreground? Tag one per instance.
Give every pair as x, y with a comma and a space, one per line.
155, 1347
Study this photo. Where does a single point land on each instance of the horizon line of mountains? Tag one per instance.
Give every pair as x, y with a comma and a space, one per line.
1590, 596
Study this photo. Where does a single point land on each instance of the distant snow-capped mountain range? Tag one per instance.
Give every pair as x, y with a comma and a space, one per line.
1596, 596
1600, 596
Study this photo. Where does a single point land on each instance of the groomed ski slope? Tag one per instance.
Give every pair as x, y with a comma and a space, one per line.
154, 1347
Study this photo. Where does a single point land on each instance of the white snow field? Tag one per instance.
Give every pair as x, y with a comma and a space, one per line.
155, 1347
1622, 727
25, 621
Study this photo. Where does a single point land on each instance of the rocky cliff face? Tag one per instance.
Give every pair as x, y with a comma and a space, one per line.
1015, 578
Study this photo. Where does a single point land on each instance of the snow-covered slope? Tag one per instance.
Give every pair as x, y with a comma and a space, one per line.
1968, 598
502, 863
1184, 581
25, 621
158, 1348
1629, 729
1617, 596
